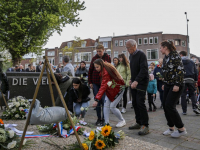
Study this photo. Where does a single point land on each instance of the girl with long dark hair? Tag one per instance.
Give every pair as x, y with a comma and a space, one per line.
173, 74
112, 84
124, 69
79, 96
116, 61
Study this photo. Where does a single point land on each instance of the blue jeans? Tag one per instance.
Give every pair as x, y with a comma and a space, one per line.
100, 103
77, 108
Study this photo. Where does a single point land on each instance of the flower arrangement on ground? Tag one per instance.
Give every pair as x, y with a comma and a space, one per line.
9, 140
99, 140
66, 124
16, 108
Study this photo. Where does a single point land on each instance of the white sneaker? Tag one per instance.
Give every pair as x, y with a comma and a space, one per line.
177, 133
121, 124
168, 132
123, 110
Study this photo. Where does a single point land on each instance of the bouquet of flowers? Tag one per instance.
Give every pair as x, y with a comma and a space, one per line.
101, 139
159, 75
16, 108
9, 139
113, 84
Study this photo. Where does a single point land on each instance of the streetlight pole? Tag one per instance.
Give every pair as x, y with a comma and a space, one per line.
188, 50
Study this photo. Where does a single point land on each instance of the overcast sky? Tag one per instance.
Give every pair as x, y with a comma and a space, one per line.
121, 17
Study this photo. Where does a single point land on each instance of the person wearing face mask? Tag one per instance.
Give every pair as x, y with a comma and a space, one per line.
173, 74
95, 83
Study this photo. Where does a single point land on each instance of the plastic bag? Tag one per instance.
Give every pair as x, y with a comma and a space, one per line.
47, 115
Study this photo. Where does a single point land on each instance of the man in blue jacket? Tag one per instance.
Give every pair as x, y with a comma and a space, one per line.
190, 78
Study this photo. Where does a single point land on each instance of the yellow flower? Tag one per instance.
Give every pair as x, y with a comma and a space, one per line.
91, 137
100, 144
85, 147
105, 131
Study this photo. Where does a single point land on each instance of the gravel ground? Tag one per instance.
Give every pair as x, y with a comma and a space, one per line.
127, 144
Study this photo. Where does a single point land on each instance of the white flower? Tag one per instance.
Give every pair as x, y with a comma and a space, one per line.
11, 145
22, 100
13, 110
21, 108
24, 142
17, 104
82, 108
109, 83
86, 108
11, 133
17, 116
158, 73
13, 100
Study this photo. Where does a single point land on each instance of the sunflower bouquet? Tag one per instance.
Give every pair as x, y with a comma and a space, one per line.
16, 108
9, 139
103, 139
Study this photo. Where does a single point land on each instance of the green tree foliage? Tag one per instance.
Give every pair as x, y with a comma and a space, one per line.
26, 25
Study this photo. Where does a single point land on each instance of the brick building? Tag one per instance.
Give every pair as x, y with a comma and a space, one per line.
149, 43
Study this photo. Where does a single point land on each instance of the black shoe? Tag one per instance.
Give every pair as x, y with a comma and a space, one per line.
98, 123
102, 122
132, 107
196, 111
150, 110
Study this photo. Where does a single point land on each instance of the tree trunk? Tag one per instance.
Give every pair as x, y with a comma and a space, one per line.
15, 61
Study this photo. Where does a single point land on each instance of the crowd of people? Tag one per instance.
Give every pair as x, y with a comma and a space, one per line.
174, 77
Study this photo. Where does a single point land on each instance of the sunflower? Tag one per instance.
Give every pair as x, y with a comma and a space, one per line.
91, 137
100, 144
1, 121
85, 147
105, 131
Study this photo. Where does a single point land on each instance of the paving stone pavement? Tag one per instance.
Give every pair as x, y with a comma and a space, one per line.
157, 125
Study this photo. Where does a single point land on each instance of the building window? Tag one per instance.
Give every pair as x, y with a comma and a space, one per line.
116, 54
145, 41
94, 52
155, 40
125, 42
69, 44
84, 56
152, 54
69, 54
51, 53
51, 61
177, 42
83, 43
121, 43
183, 43
116, 42
105, 44
95, 44
151, 40
60, 57
108, 51
140, 41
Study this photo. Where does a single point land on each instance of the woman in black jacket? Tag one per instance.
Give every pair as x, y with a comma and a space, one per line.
79, 96
173, 73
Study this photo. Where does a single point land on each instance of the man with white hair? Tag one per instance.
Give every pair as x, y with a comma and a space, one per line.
139, 82
20, 69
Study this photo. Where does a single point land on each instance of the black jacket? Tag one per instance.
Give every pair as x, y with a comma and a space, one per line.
38, 68
139, 69
4, 83
190, 69
80, 71
73, 94
18, 70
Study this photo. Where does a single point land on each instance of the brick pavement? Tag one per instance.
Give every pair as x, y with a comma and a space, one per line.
157, 125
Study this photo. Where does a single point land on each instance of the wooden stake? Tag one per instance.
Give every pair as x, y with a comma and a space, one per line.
52, 96
4, 99
32, 104
64, 104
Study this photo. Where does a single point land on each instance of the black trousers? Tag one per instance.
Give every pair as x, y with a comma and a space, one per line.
151, 102
169, 104
125, 98
138, 102
191, 89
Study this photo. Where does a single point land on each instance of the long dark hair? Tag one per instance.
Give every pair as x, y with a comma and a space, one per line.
117, 60
125, 61
78, 81
112, 71
169, 44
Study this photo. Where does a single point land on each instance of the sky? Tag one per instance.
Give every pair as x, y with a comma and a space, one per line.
120, 17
